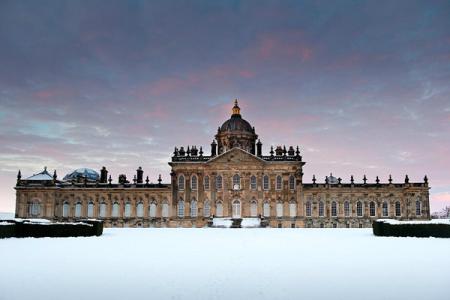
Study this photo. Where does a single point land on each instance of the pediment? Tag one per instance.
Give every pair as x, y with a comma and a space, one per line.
236, 156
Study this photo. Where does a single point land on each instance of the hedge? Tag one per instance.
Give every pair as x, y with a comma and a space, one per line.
412, 229
24, 228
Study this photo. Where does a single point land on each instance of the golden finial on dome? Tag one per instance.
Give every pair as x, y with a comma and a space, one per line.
236, 109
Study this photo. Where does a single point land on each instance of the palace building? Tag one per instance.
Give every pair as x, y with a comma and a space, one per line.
235, 181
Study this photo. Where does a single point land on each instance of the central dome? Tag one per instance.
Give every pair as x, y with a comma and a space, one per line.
236, 123
236, 133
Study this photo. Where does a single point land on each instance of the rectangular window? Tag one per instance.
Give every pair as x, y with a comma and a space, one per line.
347, 209
279, 183
418, 208
308, 209
253, 183
398, 210
292, 182
219, 182
266, 182
206, 182
321, 209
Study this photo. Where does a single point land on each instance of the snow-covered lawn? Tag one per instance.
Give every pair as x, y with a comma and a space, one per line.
226, 264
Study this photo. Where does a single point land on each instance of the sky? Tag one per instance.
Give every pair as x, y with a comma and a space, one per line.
363, 87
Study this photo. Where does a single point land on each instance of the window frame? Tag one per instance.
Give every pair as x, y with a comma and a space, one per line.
418, 208
292, 183
359, 209
181, 182
206, 208
279, 183
194, 182
279, 209
372, 209
253, 183
334, 209
321, 210
90, 209
347, 209
266, 182
253, 208
385, 209
398, 209
292, 209
78, 210
236, 182
206, 183
180, 208
219, 182
308, 208
266, 209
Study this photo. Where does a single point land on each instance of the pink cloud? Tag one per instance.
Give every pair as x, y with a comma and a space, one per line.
292, 46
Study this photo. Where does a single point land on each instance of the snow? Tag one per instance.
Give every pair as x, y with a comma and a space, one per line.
250, 222
433, 221
227, 222
222, 222
40, 176
208, 263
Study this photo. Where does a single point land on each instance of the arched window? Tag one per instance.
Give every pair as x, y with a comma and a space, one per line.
127, 212
78, 210
372, 209
279, 183
90, 211
34, 209
194, 182
253, 208
181, 182
140, 210
266, 208
152, 210
398, 209
292, 182
181, 208
102, 210
334, 209
253, 184
292, 209
347, 208
193, 208
236, 182
359, 209
236, 209
385, 209
266, 182
219, 209
206, 209
66, 209
321, 209
218, 182
164, 209
308, 209
115, 210
418, 208
206, 182
279, 209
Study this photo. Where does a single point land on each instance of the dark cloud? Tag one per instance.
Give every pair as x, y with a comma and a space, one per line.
361, 86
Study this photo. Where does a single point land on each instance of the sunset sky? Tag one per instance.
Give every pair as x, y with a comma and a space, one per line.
363, 87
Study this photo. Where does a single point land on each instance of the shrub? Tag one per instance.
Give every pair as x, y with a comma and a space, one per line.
413, 229
7, 229
25, 228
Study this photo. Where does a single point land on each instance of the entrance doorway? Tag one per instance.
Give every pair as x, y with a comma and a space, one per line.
236, 213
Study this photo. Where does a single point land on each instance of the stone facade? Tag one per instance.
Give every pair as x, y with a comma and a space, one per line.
235, 181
